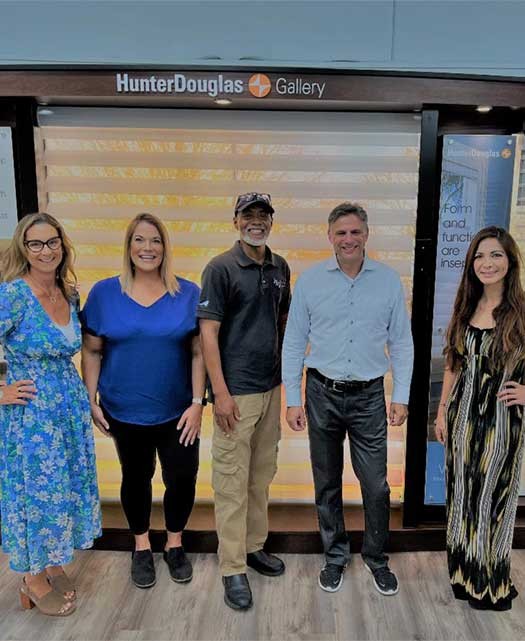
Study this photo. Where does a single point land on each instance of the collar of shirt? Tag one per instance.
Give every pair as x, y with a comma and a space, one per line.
368, 265
246, 261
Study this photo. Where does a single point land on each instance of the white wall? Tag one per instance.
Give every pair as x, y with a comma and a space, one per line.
465, 36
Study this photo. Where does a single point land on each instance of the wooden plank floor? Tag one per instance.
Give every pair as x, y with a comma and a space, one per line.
288, 607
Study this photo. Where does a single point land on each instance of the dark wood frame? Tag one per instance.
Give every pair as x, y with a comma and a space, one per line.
435, 124
422, 314
446, 103
365, 90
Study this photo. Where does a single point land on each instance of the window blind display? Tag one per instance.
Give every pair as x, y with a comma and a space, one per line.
97, 168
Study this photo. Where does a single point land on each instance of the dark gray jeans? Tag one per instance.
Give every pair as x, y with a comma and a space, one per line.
360, 413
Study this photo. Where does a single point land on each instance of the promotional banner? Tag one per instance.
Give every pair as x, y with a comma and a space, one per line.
476, 190
8, 217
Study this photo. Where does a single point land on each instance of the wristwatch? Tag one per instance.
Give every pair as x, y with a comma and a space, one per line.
199, 400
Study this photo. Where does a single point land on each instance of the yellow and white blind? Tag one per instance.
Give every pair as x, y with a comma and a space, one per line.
97, 168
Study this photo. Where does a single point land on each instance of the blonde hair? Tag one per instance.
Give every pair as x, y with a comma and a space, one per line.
166, 267
14, 263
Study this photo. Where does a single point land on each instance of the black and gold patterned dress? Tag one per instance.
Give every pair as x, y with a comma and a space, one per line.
484, 453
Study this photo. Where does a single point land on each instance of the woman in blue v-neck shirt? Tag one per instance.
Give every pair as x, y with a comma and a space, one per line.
141, 353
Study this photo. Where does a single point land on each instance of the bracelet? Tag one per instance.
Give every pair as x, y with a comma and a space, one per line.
198, 400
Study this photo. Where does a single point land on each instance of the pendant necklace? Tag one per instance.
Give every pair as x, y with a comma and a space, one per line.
52, 297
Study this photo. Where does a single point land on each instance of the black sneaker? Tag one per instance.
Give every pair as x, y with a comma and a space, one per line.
331, 577
143, 569
180, 567
384, 580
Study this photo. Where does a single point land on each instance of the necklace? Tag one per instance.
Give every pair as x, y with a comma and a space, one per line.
53, 297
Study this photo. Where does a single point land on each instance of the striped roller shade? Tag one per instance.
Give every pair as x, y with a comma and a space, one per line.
97, 168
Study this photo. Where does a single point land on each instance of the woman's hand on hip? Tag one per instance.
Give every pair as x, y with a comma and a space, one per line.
17, 393
512, 393
99, 419
190, 424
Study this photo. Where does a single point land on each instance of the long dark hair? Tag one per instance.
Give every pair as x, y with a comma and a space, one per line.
509, 315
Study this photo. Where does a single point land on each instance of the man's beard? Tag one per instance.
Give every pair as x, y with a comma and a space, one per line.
254, 242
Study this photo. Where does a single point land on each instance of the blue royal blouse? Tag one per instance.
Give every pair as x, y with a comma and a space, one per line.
145, 375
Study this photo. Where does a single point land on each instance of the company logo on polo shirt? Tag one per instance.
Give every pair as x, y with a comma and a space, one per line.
259, 85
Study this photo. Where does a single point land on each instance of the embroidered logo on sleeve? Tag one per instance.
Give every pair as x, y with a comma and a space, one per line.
204, 303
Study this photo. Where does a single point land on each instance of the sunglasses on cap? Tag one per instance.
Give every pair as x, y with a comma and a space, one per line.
253, 198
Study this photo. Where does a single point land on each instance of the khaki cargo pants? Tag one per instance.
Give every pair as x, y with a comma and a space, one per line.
243, 466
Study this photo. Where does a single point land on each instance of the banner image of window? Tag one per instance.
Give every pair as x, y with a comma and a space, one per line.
8, 218
98, 168
476, 191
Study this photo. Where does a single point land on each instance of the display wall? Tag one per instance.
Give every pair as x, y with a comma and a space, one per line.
97, 168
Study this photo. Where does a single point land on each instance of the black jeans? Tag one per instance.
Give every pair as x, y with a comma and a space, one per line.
137, 446
360, 413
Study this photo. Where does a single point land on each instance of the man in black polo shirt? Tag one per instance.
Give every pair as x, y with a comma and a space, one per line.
244, 303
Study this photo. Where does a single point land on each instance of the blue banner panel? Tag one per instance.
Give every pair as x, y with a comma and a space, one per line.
435, 485
476, 190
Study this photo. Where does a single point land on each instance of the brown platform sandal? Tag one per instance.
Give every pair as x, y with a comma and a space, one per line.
52, 604
62, 584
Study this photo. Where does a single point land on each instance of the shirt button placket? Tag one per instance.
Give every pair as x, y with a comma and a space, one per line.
351, 322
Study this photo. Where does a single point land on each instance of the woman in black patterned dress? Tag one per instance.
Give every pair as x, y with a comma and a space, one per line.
480, 419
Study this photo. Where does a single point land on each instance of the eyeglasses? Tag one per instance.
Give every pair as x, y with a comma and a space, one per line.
36, 246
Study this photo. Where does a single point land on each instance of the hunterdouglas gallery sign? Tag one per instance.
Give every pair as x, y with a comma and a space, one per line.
258, 85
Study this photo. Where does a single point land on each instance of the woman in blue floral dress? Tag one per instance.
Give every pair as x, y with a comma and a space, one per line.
49, 497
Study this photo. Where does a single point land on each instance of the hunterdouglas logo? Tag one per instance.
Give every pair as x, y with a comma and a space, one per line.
258, 85
179, 83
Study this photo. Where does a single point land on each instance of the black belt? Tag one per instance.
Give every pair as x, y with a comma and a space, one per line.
342, 386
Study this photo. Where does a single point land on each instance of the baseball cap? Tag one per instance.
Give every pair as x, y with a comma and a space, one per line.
253, 198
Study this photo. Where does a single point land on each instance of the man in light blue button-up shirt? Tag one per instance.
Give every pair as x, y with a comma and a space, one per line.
351, 312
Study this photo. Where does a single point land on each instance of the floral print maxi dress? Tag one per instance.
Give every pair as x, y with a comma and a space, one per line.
49, 496
484, 454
